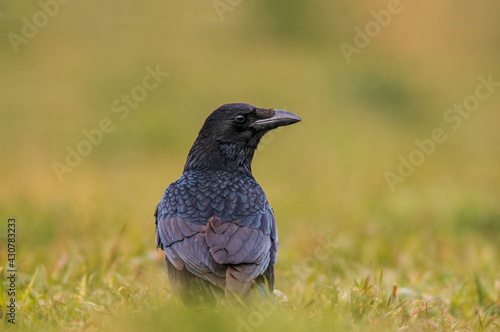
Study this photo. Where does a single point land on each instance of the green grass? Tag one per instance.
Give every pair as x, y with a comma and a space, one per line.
411, 284
353, 254
353, 277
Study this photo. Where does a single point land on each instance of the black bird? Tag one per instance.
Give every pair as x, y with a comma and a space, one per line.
215, 224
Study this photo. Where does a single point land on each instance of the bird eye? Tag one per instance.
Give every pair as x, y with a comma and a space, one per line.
240, 118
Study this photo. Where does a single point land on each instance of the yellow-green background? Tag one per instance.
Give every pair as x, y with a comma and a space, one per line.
437, 236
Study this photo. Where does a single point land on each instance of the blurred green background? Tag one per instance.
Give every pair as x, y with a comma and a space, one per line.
435, 233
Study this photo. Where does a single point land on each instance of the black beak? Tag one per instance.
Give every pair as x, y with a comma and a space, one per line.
280, 118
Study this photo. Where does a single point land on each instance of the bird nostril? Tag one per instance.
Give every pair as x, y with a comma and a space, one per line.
264, 113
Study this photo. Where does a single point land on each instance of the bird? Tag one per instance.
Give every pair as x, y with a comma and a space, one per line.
214, 224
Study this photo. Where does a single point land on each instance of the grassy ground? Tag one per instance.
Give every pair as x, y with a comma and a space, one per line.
354, 254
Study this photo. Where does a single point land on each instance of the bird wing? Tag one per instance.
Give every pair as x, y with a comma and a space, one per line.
185, 246
244, 245
228, 252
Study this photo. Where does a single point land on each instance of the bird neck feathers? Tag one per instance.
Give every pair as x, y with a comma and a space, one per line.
218, 155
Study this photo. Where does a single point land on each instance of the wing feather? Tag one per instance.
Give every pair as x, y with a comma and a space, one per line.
228, 239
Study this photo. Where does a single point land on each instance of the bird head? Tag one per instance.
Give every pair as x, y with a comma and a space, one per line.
231, 134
